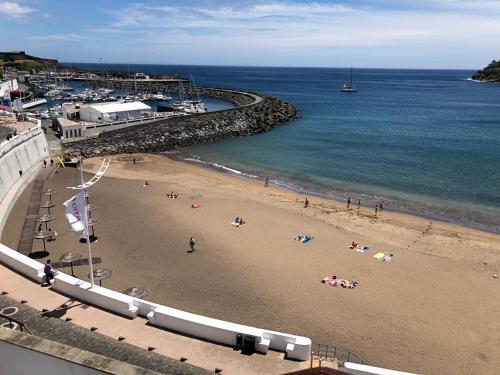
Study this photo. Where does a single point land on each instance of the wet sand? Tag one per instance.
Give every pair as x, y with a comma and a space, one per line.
432, 309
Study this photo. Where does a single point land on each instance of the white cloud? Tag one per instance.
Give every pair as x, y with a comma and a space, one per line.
61, 37
433, 32
15, 10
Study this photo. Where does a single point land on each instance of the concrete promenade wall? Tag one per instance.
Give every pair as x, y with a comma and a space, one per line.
214, 330
25, 153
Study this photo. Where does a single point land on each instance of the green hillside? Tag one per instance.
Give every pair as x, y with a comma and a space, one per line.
20, 60
489, 74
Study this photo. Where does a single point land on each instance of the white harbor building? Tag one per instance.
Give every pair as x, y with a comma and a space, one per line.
110, 112
80, 121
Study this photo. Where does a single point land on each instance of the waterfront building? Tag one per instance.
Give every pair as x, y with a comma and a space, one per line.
107, 112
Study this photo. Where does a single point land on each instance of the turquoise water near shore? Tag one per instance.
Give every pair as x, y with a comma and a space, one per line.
426, 142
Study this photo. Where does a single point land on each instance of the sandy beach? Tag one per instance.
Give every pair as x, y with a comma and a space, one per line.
431, 310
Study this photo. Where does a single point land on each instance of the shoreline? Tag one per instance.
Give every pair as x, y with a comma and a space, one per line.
336, 196
298, 197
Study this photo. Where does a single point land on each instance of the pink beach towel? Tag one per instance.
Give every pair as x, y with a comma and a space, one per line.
195, 205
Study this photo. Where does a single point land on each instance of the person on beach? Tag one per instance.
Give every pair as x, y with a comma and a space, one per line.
44, 163
51, 162
266, 184
237, 220
133, 160
306, 203
359, 203
192, 243
376, 209
49, 272
146, 184
348, 201
39, 227
381, 206
387, 258
241, 222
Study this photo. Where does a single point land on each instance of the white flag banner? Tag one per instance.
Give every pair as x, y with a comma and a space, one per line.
75, 212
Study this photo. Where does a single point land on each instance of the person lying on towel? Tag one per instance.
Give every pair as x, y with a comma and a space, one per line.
387, 258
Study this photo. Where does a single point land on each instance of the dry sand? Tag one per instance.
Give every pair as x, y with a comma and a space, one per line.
432, 310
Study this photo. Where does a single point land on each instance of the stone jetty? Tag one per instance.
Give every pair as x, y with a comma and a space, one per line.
254, 113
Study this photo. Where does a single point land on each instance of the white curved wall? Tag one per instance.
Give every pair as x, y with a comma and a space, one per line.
25, 153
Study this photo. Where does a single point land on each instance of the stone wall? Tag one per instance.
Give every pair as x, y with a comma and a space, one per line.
254, 114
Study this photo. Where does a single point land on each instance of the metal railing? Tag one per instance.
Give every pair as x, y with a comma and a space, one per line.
22, 327
333, 353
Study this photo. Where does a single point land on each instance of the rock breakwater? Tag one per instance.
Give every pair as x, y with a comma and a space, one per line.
254, 113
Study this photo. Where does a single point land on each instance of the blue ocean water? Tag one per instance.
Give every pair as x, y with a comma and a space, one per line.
425, 142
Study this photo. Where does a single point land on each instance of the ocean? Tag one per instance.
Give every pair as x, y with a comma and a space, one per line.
426, 142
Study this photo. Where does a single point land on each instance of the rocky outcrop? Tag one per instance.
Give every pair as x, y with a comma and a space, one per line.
489, 74
255, 114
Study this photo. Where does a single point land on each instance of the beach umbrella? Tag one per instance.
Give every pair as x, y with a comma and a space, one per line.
50, 192
42, 235
90, 208
136, 292
45, 219
48, 205
70, 257
101, 274
92, 223
87, 196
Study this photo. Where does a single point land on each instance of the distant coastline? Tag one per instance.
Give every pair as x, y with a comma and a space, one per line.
489, 74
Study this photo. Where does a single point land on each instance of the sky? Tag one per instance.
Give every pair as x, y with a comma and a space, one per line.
379, 33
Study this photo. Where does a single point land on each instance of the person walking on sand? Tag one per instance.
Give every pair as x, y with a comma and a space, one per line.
44, 163
51, 162
192, 243
133, 160
348, 201
376, 209
359, 203
381, 206
306, 203
266, 184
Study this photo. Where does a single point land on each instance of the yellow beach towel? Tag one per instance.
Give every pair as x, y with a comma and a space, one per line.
379, 255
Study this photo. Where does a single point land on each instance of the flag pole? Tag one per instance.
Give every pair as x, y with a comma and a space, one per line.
86, 222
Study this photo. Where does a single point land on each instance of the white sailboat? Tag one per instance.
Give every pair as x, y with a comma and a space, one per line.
349, 87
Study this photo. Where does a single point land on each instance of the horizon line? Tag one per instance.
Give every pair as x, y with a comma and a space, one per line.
264, 66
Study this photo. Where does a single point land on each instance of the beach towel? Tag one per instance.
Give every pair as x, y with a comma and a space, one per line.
195, 205
379, 255
303, 238
362, 249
